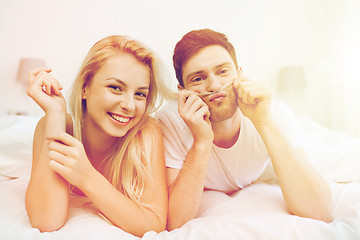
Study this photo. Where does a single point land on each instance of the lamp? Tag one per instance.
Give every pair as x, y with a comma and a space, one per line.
291, 78
25, 66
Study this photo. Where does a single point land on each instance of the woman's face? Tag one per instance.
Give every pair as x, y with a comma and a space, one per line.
116, 97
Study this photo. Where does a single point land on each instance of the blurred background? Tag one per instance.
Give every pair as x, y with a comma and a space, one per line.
307, 51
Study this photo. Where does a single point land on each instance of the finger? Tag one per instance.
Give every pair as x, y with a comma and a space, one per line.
192, 104
45, 84
59, 168
65, 138
204, 113
56, 87
48, 82
59, 157
60, 147
243, 87
183, 97
33, 73
238, 81
254, 93
195, 105
36, 71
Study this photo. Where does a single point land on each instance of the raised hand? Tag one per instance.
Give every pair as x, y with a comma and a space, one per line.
68, 158
46, 90
254, 100
196, 115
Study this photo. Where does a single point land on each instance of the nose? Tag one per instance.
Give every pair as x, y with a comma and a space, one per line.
128, 103
213, 83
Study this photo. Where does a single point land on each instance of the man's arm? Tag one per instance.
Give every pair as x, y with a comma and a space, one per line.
305, 192
186, 185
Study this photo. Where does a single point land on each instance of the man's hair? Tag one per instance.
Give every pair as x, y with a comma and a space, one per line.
195, 40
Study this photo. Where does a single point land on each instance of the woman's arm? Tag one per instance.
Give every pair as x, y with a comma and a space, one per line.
118, 208
47, 193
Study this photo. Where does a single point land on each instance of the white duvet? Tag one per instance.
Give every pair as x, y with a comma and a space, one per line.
256, 212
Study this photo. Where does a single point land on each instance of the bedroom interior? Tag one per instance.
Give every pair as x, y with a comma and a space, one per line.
308, 53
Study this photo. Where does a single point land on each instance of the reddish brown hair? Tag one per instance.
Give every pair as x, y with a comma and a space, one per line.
195, 40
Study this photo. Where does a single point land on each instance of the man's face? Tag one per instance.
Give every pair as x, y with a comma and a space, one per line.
207, 71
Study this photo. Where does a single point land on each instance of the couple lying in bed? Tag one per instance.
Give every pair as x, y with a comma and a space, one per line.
220, 134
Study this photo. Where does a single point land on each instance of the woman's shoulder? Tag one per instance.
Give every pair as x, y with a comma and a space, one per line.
152, 127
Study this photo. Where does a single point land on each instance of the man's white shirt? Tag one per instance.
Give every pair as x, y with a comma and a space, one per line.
229, 169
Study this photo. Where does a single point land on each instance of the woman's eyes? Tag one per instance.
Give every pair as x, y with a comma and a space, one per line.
141, 94
115, 88
118, 90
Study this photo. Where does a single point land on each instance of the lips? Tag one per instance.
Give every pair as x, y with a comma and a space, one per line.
216, 97
119, 118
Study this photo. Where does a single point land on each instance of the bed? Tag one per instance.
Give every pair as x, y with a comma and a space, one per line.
256, 212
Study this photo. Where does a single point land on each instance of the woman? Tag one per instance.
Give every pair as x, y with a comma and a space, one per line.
110, 150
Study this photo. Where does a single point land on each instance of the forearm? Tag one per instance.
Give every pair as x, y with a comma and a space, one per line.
47, 192
120, 209
187, 189
305, 192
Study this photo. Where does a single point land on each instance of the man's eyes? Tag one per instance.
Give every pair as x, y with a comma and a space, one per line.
197, 79
223, 71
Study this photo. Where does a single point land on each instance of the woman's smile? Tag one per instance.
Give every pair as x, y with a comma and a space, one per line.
119, 119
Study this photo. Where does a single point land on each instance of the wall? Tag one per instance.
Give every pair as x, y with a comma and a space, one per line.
266, 34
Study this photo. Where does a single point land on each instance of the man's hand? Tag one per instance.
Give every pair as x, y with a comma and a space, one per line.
254, 100
196, 115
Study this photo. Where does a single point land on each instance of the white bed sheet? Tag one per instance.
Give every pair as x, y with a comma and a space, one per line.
256, 212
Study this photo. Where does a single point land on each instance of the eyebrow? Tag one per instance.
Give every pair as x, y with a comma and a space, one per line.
123, 83
223, 64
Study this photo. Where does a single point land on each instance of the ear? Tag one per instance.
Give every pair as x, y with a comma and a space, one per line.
84, 93
240, 70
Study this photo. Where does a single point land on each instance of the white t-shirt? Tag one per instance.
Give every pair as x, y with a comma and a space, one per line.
229, 169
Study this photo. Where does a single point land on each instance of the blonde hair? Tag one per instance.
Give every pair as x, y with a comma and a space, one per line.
127, 164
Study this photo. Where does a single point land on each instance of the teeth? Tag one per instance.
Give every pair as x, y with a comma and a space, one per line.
120, 119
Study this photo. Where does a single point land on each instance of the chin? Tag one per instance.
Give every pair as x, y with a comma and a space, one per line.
223, 112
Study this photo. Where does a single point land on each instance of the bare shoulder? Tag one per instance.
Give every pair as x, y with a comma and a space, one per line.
153, 128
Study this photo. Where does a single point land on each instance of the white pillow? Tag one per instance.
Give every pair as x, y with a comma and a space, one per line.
16, 136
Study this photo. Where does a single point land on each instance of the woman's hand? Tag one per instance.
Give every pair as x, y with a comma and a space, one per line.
195, 113
68, 158
46, 90
254, 100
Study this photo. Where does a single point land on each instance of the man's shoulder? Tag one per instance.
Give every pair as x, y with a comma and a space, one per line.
169, 118
169, 110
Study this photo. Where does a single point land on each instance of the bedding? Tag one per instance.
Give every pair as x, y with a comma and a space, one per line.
255, 212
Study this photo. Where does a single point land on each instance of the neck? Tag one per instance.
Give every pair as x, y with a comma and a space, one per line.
226, 132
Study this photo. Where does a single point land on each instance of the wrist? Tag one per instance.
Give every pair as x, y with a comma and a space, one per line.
56, 112
266, 127
202, 146
56, 121
93, 177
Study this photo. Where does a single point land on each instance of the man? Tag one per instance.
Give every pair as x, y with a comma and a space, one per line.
223, 130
